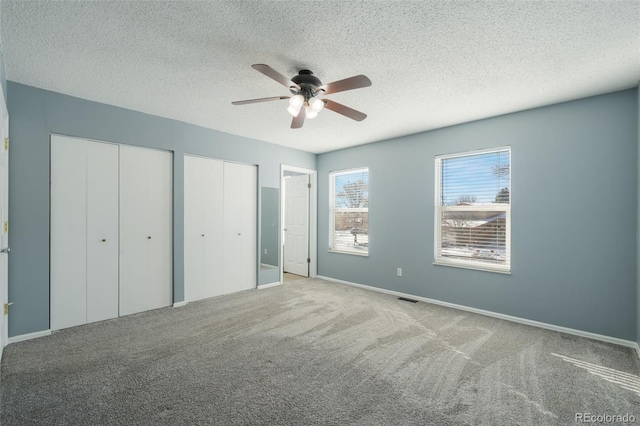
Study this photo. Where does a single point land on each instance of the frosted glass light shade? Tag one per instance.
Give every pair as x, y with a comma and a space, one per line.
296, 101
311, 113
294, 110
316, 104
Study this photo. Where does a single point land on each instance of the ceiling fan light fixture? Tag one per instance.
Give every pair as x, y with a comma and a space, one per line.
305, 87
310, 112
296, 102
316, 104
294, 110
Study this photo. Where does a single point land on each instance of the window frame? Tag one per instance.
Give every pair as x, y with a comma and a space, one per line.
495, 207
332, 210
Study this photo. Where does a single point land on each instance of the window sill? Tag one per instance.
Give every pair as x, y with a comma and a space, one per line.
472, 266
355, 253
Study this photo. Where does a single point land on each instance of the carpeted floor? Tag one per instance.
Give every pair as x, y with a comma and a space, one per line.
312, 352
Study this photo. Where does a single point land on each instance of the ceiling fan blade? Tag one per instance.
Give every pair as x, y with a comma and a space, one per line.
298, 121
275, 75
344, 110
253, 101
350, 83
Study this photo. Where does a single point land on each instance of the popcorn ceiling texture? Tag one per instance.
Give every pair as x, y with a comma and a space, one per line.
432, 64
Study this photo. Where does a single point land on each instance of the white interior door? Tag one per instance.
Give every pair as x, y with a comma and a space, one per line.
240, 227
296, 216
68, 230
145, 229
102, 231
203, 227
4, 217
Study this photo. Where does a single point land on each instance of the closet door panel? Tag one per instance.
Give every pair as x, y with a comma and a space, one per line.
214, 228
203, 227
145, 229
133, 227
68, 228
194, 221
160, 215
102, 231
240, 204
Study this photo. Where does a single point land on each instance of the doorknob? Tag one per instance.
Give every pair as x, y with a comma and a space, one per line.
239, 233
5, 250
149, 237
104, 240
285, 229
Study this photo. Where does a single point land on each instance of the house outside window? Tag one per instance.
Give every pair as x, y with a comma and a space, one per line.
473, 210
349, 216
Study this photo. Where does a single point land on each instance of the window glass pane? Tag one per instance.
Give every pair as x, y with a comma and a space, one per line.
352, 190
349, 192
474, 235
473, 209
351, 231
476, 179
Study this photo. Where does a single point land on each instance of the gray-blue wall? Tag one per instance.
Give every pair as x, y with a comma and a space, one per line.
637, 112
574, 215
34, 114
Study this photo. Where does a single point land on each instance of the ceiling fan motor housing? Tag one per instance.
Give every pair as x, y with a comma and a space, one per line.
308, 83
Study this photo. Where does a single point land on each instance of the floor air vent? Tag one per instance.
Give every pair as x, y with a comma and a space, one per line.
407, 300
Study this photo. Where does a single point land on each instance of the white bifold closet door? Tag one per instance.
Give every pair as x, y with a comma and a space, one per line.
240, 226
146, 250
220, 215
84, 231
203, 227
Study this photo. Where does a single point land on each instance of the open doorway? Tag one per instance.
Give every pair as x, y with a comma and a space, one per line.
299, 218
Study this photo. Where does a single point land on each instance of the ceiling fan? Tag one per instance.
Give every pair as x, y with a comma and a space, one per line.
305, 88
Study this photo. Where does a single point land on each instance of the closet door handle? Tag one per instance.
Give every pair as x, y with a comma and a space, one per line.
203, 235
149, 237
104, 240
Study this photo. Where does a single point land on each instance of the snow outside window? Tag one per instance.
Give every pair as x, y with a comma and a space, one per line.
349, 216
473, 210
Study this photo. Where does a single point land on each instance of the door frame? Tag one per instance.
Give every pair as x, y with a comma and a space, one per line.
4, 239
292, 209
313, 217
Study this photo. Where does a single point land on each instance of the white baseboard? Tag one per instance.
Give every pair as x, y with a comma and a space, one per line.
589, 335
178, 304
263, 286
28, 336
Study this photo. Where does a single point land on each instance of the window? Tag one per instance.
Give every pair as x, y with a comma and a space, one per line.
349, 204
473, 210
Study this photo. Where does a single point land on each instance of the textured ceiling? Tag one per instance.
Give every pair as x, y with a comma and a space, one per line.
432, 64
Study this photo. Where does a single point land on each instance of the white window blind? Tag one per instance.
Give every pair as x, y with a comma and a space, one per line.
349, 216
473, 210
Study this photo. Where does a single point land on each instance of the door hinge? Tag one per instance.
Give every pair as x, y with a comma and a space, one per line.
6, 144
309, 185
6, 308
6, 226
308, 260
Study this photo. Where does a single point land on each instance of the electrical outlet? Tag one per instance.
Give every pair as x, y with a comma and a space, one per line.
399, 272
